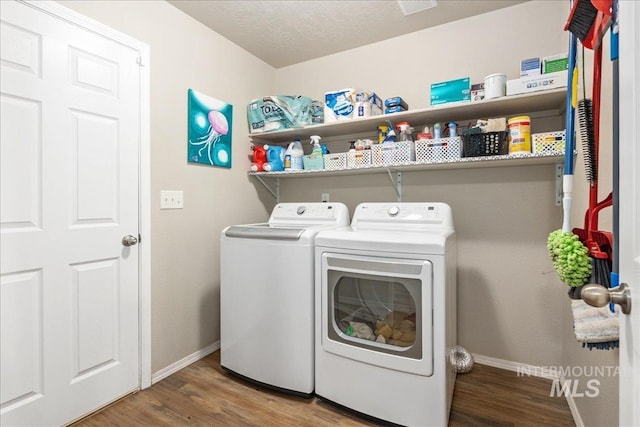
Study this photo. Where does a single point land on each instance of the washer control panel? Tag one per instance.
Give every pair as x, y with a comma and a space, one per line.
309, 213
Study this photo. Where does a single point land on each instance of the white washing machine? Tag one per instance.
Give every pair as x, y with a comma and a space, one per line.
386, 313
267, 292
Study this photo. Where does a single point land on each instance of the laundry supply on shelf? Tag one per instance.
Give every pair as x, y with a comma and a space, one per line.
349, 103
315, 160
293, 156
272, 113
275, 158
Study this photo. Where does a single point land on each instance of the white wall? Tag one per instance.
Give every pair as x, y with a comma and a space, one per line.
185, 54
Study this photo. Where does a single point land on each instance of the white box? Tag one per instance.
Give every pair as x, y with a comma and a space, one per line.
537, 83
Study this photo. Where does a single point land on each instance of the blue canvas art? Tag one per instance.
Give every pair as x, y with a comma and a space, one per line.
209, 130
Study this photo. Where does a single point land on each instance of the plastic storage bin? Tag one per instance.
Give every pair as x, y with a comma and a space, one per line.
438, 150
548, 142
393, 153
485, 144
313, 161
335, 161
359, 159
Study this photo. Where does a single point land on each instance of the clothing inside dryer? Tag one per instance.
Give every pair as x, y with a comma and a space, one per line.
377, 308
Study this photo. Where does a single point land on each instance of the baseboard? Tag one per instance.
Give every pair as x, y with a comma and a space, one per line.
534, 371
575, 413
520, 368
184, 362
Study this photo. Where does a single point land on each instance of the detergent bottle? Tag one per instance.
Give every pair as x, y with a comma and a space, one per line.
258, 158
275, 158
293, 156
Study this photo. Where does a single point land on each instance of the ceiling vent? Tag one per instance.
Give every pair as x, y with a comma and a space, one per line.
410, 7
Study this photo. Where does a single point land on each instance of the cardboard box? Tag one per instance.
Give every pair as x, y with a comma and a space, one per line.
394, 109
555, 63
451, 91
536, 83
477, 92
530, 67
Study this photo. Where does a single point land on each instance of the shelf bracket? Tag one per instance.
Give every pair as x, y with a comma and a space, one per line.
397, 183
276, 193
559, 173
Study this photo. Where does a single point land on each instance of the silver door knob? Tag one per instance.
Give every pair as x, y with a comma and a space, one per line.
129, 240
599, 296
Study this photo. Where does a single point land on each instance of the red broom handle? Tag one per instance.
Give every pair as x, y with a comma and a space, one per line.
593, 190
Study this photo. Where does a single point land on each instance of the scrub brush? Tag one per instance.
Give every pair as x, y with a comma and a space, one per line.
570, 258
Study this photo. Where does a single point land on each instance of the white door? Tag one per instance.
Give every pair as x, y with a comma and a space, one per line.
630, 210
69, 194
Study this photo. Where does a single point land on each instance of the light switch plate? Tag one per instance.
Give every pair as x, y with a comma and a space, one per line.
170, 199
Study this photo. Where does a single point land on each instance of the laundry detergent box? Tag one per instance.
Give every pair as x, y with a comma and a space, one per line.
451, 91
537, 83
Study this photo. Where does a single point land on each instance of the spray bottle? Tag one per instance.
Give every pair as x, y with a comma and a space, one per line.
315, 142
315, 160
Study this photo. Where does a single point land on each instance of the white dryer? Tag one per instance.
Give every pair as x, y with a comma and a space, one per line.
266, 295
386, 313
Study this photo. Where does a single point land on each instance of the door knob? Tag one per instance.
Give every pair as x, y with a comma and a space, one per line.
599, 296
129, 240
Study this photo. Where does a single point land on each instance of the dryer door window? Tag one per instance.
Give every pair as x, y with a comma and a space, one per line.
372, 308
378, 310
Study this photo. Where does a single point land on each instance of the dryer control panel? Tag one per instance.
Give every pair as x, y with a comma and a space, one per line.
395, 215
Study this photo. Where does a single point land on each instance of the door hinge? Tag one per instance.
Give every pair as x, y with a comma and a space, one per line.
140, 61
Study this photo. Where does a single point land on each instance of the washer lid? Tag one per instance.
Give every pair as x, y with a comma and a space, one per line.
264, 231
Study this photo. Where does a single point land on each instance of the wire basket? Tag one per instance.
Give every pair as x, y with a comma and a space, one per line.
359, 159
485, 144
548, 142
335, 161
393, 153
438, 150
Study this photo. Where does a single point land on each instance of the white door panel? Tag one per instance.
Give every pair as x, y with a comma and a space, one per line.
70, 138
629, 13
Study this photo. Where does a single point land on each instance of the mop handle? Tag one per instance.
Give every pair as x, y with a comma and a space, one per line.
570, 116
567, 179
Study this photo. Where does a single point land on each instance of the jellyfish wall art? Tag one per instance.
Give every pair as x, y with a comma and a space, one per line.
209, 130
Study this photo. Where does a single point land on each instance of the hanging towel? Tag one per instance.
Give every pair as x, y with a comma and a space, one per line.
595, 327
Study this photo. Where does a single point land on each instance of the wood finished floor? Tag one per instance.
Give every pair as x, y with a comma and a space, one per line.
203, 394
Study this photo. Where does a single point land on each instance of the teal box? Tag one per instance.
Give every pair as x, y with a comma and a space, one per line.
313, 161
451, 91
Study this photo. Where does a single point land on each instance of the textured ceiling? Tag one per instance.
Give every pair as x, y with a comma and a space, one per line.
287, 32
